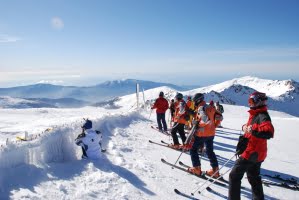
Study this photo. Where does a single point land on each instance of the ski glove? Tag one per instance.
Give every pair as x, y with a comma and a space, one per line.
247, 129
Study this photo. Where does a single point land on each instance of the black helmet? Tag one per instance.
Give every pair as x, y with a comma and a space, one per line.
161, 94
198, 97
257, 99
179, 96
87, 124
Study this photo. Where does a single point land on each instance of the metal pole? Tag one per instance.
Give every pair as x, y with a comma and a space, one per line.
150, 114
215, 180
194, 128
213, 175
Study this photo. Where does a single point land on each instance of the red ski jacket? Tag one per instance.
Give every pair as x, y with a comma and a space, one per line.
161, 104
261, 130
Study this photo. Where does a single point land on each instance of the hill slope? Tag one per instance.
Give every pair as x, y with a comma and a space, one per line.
49, 167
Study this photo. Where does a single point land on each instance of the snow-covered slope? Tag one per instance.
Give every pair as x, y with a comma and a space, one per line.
19, 103
273, 88
283, 95
49, 167
10, 102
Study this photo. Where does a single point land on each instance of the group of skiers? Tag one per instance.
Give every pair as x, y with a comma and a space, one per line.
204, 118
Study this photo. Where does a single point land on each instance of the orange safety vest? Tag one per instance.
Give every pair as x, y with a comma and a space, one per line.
206, 118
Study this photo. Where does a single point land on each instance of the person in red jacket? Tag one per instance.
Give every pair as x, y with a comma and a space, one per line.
257, 131
161, 105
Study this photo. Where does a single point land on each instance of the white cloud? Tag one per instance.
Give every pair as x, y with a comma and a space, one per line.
57, 23
7, 38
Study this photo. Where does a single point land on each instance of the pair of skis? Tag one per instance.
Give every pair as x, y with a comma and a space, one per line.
221, 182
163, 132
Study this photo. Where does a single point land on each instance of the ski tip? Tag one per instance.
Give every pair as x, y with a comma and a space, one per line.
177, 191
150, 141
162, 159
192, 194
208, 188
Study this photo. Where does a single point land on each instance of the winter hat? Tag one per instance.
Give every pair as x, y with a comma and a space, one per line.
87, 124
257, 100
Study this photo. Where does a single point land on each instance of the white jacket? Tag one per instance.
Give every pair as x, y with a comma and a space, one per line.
91, 143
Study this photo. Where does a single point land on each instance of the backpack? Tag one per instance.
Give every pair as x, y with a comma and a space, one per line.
220, 109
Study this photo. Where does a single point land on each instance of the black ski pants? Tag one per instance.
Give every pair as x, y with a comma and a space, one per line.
161, 120
178, 128
252, 170
199, 142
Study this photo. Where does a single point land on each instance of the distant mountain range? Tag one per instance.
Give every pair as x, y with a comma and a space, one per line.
93, 94
283, 94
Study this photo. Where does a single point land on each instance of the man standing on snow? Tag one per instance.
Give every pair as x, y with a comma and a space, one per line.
204, 135
161, 105
172, 111
179, 121
257, 131
90, 141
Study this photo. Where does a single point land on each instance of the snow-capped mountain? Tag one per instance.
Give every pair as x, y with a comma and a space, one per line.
236, 92
101, 92
273, 88
283, 95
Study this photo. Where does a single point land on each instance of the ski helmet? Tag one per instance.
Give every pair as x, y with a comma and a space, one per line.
161, 94
257, 99
87, 124
179, 96
198, 98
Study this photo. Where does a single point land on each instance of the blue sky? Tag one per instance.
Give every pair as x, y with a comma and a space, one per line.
184, 42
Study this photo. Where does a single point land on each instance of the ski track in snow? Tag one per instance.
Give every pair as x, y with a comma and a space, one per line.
50, 166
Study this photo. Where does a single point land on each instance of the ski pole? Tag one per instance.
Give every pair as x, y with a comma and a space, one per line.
212, 175
215, 180
186, 142
150, 114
